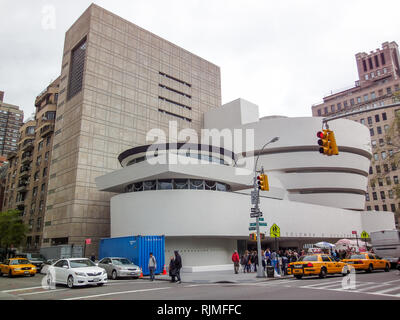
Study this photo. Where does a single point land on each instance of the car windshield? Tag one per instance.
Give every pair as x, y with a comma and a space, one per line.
37, 256
357, 256
121, 261
81, 263
19, 261
308, 258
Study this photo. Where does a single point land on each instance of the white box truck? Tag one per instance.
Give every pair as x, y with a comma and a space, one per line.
386, 244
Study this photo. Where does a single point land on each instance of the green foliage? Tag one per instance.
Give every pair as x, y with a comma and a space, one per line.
12, 229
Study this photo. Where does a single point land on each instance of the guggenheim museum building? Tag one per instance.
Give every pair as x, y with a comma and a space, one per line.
196, 192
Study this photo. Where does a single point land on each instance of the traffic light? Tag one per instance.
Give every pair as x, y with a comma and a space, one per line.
262, 236
327, 142
262, 181
253, 236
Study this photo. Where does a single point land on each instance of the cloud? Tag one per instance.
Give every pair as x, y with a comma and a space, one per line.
282, 55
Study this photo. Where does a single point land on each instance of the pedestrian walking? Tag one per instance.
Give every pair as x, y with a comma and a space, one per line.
152, 266
93, 257
178, 266
172, 271
268, 257
235, 260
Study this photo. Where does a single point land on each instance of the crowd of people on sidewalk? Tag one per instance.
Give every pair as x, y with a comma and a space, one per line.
278, 259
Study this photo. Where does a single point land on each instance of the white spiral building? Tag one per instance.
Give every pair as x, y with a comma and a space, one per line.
197, 195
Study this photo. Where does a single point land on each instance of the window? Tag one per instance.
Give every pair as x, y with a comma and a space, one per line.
386, 167
364, 65
196, 184
376, 61
394, 166
378, 169
369, 120
376, 208
373, 143
388, 181
367, 197
76, 69
384, 117
390, 194
374, 196
352, 101
326, 110
319, 112
388, 90
396, 179
44, 172
345, 104
383, 155
386, 128
40, 146
380, 182
358, 99
165, 184
149, 185
376, 156
377, 118
371, 132
384, 207
393, 207
383, 197
383, 58
373, 95
379, 130
333, 107
365, 97
369, 208
362, 121
370, 170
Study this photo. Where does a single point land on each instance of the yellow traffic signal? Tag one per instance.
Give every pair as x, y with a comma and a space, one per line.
263, 182
253, 236
327, 142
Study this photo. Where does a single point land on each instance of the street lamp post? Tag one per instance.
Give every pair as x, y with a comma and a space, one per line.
260, 272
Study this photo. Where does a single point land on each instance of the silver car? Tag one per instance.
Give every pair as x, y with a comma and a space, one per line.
119, 267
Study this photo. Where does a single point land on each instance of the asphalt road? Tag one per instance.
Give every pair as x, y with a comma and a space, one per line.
376, 286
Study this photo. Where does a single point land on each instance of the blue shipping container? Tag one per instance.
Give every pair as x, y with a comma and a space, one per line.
137, 249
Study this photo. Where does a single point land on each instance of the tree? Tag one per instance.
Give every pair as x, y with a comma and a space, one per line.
12, 229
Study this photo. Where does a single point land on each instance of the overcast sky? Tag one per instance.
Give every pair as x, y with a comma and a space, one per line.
281, 55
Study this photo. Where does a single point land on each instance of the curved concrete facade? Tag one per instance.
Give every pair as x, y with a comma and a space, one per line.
309, 199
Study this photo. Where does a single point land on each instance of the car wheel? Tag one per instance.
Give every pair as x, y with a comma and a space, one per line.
387, 268
298, 276
100, 284
370, 268
10, 274
322, 274
114, 275
70, 282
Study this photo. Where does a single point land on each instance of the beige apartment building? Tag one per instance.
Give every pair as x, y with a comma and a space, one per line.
118, 81
11, 119
28, 172
373, 101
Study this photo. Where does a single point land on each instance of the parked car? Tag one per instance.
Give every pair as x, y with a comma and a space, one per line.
46, 265
367, 261
317, 264
76, 272
17, 267
119, 267
35, 258
386, 244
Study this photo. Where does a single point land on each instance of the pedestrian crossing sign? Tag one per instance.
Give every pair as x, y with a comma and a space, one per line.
364, 235
274, 231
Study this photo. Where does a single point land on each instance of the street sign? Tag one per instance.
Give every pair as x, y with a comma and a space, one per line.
354, 232
275, 231
263, 224
254, 197
255, 215
261, 219
254, 210
252, 228
364, 235
253, 224
88, 241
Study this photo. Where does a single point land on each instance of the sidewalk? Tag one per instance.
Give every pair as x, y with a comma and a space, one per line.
218, 277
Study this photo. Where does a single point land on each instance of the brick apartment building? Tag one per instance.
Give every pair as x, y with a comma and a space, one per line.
374, 102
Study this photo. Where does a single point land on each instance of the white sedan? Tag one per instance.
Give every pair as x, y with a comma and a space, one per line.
76, 272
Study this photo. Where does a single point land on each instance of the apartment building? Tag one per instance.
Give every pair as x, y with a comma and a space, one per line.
28, 172
11, 119
118, 81
374, 102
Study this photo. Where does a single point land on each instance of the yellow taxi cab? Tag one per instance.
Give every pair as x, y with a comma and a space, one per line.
17, 267
317, 264
367, 261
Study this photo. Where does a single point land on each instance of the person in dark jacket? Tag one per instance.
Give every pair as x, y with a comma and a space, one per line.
171, 268
178, 266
